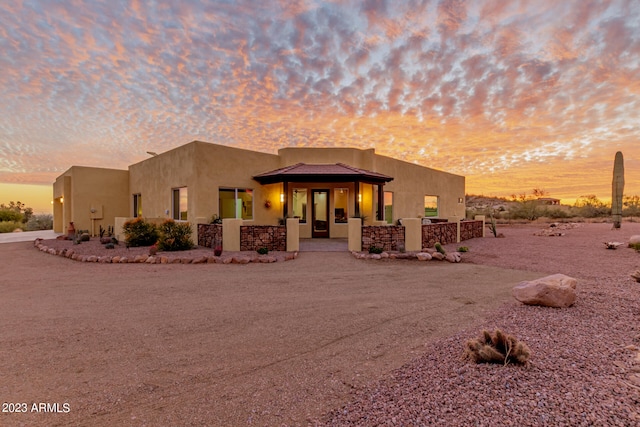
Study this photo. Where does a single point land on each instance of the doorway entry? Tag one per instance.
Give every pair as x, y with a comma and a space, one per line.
320, 213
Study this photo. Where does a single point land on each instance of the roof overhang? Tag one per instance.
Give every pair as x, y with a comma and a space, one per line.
337, 172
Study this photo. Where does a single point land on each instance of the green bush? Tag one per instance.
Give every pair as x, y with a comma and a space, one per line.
373, 249
10, 226
139, 232
40, 222
175, 236
8, 215
263, 251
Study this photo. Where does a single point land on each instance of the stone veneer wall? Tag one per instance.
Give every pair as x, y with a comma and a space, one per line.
209, 234
387, 236
470, 229
272, 237
445, 232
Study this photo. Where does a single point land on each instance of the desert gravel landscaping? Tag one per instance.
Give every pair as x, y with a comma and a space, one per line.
324, 339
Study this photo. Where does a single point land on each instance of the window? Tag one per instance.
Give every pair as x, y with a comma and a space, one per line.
137, 205
300, 204
235, 203
430, 206
341, 204
388, 206
179, 204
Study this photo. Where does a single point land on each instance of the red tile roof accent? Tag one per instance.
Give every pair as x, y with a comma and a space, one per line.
321, 172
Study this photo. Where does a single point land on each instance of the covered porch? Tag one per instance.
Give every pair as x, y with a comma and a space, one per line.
324, 196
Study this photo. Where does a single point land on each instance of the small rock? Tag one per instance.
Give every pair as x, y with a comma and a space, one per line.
423, 256
140, 258
634, 379
453, 257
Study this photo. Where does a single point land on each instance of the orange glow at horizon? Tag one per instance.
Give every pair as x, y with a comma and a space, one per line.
512, 95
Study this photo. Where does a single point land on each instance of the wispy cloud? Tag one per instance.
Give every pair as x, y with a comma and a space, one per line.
512, 94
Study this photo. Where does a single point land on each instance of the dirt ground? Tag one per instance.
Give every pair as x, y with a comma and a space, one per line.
228, 345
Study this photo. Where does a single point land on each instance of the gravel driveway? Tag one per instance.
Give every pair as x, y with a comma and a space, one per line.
324, 339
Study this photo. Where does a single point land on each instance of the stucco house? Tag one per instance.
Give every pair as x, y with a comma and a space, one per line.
322, 187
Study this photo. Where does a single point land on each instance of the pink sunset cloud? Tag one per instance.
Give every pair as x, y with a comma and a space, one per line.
514, 95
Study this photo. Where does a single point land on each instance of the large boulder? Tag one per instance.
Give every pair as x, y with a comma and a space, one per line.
635, 239
557, 290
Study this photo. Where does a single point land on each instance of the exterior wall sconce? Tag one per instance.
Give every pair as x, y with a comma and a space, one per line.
360, 197
281, 197
460, 200
61, 199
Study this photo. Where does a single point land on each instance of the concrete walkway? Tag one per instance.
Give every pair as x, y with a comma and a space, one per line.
324, 245
27, 236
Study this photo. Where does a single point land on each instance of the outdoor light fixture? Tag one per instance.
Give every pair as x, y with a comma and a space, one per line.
61, 199
359, 197
460, 200
281, 197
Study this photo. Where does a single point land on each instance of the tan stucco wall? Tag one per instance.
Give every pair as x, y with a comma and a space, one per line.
204, 168
363, 159
87, 188
412, 182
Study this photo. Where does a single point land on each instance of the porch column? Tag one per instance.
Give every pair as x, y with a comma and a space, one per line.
380, 213
285, 190
356, 186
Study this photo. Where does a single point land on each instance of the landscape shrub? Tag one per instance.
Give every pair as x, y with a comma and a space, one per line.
139, 232
555, 213
8, 215
373, 249
175, 236
10, 226
40, 222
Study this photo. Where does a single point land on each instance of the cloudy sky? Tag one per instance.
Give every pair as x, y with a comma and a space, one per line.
514, 95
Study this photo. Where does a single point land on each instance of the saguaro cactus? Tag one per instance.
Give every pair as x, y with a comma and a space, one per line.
617, 188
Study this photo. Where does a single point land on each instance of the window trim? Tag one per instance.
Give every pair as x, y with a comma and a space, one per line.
174, 216
137, 205
236, 190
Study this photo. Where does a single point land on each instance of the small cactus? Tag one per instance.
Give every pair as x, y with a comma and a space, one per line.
497, 348
439, 248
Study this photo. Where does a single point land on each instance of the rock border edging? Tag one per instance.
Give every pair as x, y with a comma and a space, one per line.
162, 259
